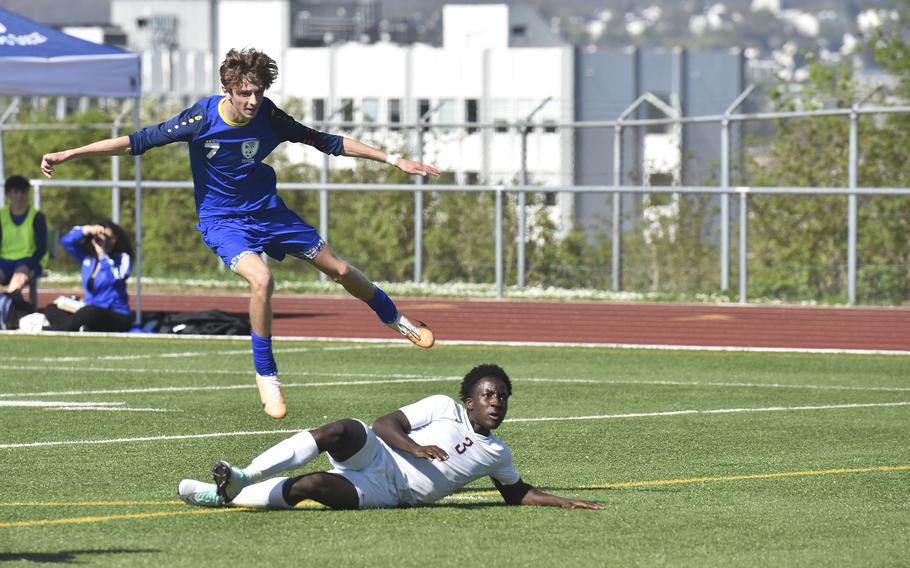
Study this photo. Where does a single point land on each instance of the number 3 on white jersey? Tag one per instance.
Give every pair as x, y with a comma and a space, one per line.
214, 145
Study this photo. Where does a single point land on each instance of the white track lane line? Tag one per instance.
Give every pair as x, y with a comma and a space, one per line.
671, 413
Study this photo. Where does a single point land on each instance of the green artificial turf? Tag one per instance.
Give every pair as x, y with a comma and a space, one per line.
699, 458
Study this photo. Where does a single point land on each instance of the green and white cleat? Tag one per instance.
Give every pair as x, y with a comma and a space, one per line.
200, 494
229, 480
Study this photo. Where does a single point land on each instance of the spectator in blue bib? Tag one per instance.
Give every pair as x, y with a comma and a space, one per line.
23, 237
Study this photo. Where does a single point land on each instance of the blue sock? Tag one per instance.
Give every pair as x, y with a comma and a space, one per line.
383, 306
263, 359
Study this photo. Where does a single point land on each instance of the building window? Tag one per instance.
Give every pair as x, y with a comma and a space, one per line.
471, 178
395, 111
347, 110
549, 125
446, 113
318, 110
470, 114
501, 125
423, 108
660, 179
370, 110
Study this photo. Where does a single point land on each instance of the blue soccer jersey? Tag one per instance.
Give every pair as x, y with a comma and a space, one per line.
226, 157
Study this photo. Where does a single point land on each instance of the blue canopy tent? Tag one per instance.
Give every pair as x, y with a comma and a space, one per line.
37, 60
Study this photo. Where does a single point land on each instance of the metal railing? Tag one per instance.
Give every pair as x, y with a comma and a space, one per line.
617, 190
500, 191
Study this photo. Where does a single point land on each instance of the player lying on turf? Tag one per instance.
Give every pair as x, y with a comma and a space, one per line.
417, 454
240, 212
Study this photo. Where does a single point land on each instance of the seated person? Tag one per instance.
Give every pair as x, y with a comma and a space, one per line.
23, 237
106, 256
415, 455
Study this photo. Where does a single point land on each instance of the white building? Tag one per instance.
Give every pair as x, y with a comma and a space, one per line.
477, 75
496, 66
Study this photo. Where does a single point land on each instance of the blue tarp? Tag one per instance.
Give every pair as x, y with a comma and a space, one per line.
39, 60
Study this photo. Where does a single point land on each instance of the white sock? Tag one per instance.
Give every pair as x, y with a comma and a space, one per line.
298, 450
263, 494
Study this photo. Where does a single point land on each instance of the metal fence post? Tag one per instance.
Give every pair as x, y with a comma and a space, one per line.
10, 110
743, 243
418, 211
324, 207
725, 183
138, 194
115, 167
499, 278
522, 207
617, 207
725, 205
422, 121
523, 196
36, 197
851, 212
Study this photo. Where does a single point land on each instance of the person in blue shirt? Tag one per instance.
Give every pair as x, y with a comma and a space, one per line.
240, 212
105, 253
23, 237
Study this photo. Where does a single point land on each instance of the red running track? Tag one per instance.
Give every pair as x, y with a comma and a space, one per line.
586, 322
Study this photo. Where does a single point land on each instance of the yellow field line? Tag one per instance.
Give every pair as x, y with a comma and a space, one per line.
778, 475
658, 482
90, 503
467, 494
77, 520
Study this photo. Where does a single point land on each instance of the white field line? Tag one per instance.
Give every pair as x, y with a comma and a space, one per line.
671, 413
228, 387
54, 403
181, 354
453, 342
403, 378
714, 411
147, 439
109, 409
69, 405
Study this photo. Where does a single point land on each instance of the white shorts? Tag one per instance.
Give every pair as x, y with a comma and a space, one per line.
375, 475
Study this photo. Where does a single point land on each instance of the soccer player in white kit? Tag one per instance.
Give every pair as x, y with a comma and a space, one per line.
418, 454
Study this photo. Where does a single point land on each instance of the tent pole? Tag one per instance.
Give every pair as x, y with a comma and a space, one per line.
138, 198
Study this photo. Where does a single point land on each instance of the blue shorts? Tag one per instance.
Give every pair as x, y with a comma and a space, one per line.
276, 232
8, 267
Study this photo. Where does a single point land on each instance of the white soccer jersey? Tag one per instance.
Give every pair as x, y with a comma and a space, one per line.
440, 421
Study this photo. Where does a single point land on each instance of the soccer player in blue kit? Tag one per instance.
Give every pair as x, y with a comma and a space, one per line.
240, 212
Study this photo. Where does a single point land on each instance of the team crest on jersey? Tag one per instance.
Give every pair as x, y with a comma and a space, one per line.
249, 148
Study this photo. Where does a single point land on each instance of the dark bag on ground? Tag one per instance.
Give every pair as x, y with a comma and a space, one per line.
213, 322
13, 307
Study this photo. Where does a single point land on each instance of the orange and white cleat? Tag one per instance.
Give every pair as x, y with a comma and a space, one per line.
417, 331
271, 397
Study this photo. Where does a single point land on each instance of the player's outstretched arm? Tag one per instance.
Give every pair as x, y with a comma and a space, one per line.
522, 493
393, 430
108, 147
357, 149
